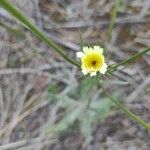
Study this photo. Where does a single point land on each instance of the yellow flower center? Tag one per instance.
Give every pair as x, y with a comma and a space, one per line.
92, 61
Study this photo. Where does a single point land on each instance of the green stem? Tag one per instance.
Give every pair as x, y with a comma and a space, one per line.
14, 12
128, 112
115, 66
113, 18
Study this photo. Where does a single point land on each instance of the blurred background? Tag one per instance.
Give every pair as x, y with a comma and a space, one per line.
46, 103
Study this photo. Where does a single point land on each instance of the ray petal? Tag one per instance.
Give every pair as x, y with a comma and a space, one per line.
80, 54
93, 74
85, 49
103, 69
84, 72
98, 48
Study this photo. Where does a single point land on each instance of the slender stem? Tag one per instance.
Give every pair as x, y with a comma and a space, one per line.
115, 66
113, 18
128, 112
14, 12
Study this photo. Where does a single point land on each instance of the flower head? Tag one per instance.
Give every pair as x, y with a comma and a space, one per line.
92, 60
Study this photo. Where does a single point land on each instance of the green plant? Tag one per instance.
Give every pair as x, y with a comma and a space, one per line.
80, 107
92, 108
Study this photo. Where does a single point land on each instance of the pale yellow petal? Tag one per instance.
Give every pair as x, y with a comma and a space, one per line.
103, 69
90, 49
85, 49
80, 54
84, 72
98, 48
93, 74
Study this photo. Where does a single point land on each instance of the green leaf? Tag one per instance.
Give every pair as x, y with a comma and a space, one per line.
66, 122
52, 88
66, 101
86, 120
103, 108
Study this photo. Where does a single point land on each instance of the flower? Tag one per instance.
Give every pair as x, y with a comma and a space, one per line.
92, 60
